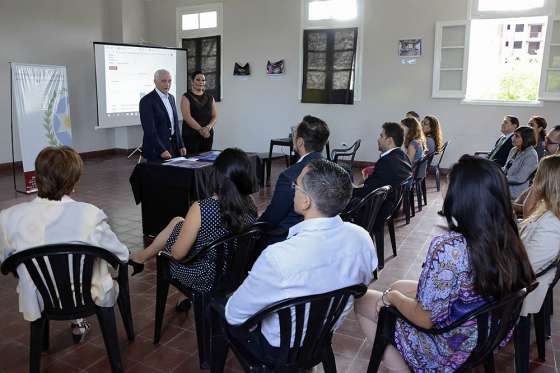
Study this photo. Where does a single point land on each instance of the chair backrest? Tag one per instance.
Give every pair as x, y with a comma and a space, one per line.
62, 274
312, 318
420, 167
346, 154
365, 211
235, 255
441, 153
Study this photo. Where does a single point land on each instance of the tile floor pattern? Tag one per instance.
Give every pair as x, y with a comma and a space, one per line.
105, 184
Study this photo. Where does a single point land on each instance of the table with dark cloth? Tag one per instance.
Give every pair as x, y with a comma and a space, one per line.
167, 191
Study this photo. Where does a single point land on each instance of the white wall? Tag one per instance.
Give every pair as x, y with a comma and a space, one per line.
257, 109
61, 32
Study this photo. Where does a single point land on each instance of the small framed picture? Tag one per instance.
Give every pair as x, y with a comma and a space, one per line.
410, 47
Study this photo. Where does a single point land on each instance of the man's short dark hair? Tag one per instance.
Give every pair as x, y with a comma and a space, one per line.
314, 132
328, 185
412, 113
394, 131
556, 128
514, 120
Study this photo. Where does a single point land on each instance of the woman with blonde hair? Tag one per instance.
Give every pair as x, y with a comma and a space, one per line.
540, 232
414, 139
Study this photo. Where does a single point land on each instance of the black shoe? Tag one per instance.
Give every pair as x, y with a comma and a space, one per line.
136, 267
183, 306
440, 213
79, 331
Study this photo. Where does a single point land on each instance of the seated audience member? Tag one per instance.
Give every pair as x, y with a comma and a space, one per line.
309, 138
540, 232
53, 217
503, 145
526, 202
464, 268
522, 161
432, 130
392, 167
414, 140
412, 114
229, 210
321, 254
538, 124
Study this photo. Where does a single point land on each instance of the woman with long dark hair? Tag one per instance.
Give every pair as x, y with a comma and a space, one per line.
229, 210
480, 258
432, 130
522, 160
538, 124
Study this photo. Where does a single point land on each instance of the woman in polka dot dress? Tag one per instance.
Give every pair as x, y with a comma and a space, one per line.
228, 210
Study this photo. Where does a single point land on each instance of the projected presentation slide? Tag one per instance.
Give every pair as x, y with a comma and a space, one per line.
125, 73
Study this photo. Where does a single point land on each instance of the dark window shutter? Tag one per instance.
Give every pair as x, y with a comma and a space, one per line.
204, 54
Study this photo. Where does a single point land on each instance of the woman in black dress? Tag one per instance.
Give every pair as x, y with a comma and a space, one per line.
229, 210
199, 116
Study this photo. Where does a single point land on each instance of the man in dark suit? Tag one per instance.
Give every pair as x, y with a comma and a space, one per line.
158, 115
309, 140
503, 145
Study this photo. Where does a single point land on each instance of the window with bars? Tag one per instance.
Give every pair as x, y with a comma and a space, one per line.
329, 62
204, 54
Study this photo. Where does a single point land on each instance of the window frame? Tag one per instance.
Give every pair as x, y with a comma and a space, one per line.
217, 95
358, 23
548, 10
201, 33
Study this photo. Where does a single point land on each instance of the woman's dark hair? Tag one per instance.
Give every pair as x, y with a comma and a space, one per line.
527, 136
195, 73
233, 183
58, 169
498, 258
541, 123
435, 131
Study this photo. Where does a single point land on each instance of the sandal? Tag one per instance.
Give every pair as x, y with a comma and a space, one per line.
79, 330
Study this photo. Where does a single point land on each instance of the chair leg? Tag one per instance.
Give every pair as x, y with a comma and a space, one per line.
161, 298
539, 320
37, 338
203, 328
437, 179
489, 364
391, 227
411, 202
419, 195
329, 362
375, 274
424, 192
108, 326
521, 345
220, 345
380, 246
124, 302
377, 351
406, 207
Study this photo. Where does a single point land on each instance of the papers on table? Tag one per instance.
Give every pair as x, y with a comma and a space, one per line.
206, 157
186, 163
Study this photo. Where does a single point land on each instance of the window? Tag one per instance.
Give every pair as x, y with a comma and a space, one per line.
331, 51
204, 54
328, 66
485, 58
533, 47
199, 31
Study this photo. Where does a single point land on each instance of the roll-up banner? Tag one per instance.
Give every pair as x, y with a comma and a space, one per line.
42, 112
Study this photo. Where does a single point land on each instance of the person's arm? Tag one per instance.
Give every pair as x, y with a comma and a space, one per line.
260, 289
410, 308
149, 126
530, 203
188, 233
186, 112
104, 237
522, 168
411, 152
212, 123
281, 203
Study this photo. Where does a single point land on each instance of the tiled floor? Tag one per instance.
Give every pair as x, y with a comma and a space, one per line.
105, 184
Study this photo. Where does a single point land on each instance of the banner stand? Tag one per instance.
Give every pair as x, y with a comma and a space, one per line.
12, 134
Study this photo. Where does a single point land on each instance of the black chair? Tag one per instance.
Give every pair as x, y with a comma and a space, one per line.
308, 350
541, 321
436, 169
364, 212
235, 255
419, 169
494, 321
67, 293
346, 155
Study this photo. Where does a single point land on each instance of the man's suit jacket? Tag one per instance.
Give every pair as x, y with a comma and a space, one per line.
391, 169
157, 127
280, 212
500, 153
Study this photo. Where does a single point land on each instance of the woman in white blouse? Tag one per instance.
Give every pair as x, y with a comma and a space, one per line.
540, 232
53, 217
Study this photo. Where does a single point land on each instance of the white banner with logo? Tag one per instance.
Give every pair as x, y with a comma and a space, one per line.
42, 112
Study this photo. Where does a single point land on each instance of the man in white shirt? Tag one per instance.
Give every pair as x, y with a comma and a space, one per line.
321, 254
